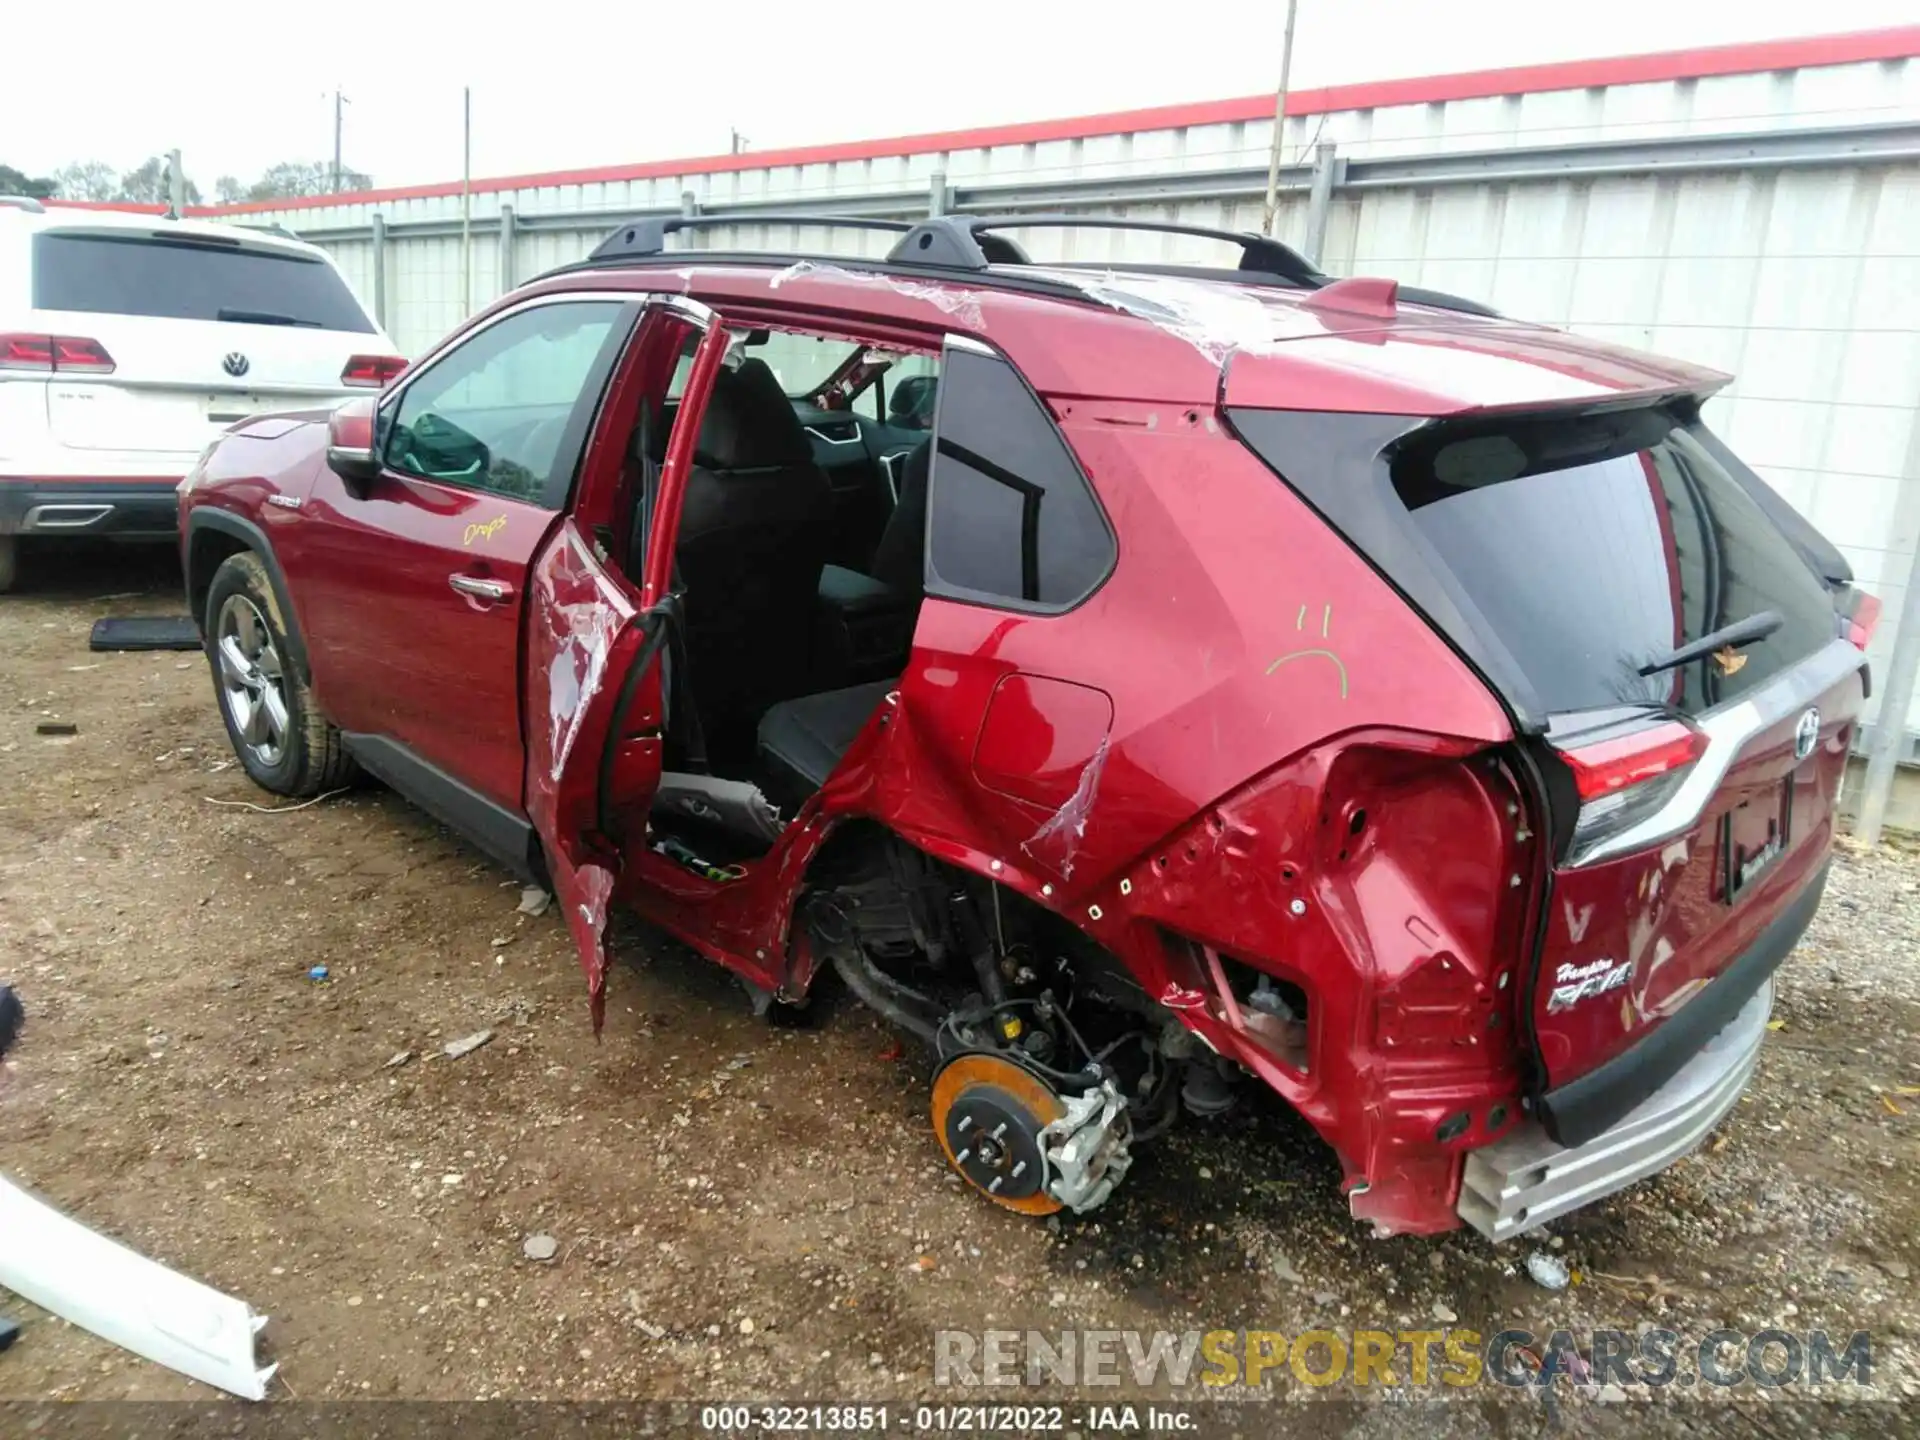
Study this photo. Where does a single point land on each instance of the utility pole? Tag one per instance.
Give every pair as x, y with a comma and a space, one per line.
176, 186
466, 201
1279, 124
1896, 695
739, 142
339, 103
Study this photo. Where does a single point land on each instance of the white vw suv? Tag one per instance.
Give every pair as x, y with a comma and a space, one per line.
129, 342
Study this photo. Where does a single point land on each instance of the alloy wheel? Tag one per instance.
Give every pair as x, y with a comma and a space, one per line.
252, 680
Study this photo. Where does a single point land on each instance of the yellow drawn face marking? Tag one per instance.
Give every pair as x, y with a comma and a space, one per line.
484, 529
1326, 628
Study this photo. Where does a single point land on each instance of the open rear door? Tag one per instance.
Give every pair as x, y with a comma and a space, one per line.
593, 702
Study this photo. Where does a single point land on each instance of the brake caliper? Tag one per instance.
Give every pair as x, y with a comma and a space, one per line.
1087, 1147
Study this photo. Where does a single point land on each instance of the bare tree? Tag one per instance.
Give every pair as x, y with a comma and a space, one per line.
87, 180
147, 184
294, 178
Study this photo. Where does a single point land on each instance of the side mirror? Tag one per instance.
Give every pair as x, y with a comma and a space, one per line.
350, 446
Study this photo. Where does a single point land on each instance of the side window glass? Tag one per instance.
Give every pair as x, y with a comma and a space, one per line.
493, 414
1011, 520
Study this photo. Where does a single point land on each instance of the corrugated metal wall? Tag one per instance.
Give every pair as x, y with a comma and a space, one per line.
1585, 208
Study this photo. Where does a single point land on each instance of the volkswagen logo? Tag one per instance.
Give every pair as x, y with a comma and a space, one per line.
235, 364
1806, 734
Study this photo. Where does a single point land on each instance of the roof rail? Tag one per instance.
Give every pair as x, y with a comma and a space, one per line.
969, 242
972, 244
23, 202
638, 239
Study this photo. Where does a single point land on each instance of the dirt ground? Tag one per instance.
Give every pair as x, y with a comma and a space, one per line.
742, 1211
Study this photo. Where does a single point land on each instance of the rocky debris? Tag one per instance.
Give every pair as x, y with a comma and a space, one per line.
1548, 1271
540, 1247
466, 1045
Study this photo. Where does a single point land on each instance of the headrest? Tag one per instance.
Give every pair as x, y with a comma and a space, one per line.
911, 402
750, 423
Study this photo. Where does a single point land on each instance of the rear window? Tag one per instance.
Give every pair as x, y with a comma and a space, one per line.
180, 279
1572, 552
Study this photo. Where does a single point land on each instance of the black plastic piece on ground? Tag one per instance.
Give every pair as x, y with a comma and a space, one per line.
13, 1018
9, 1332
144, 632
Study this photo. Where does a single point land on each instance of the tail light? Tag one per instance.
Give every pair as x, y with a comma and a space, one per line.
374, 371
1624, 776
1862, 619
67, 354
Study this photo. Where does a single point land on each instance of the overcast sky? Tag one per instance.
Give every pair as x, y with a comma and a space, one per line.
564, 83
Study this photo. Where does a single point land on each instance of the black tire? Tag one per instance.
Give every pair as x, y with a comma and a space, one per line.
9, 562
277, 731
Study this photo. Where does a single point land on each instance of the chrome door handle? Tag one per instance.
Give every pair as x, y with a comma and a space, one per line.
493, 590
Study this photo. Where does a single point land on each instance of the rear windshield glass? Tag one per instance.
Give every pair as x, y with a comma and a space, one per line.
1579, 551
178, 279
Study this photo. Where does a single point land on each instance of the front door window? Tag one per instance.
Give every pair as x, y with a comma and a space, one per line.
496, 414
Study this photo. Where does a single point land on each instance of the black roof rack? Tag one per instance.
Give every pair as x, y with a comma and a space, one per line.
972, 242
638, 239
973, 245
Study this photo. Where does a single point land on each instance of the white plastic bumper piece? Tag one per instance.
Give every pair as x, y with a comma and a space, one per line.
121, 1296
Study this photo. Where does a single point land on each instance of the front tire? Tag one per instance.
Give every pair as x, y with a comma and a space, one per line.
277, 731
9, 562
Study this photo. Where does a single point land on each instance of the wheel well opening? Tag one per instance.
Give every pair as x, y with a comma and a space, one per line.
205, 554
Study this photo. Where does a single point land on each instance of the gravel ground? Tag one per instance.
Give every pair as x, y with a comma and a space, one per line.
741, 1211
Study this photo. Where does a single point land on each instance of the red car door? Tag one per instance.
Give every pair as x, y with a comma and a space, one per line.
594, 707
413, 585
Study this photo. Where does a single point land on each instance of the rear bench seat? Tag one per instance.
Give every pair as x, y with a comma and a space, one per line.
802, 740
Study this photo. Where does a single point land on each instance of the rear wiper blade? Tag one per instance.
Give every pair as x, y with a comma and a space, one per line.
262, 317
1740, 632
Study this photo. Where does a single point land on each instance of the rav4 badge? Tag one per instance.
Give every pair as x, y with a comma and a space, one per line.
1574, 983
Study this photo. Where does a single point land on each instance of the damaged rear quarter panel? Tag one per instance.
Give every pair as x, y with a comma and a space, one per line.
1235, 630
1240, 640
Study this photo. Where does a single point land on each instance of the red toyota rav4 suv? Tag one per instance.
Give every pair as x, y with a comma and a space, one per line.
1130, 682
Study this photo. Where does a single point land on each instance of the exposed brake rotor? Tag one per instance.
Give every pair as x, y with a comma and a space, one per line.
989, 1114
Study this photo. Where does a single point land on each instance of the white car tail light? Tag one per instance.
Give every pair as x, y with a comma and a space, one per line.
67, 354
375, 372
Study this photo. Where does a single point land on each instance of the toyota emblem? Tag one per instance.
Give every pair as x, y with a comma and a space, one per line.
1806, 734
235, 364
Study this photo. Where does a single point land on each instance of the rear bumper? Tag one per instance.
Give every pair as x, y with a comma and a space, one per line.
133, 509
1525, 1179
